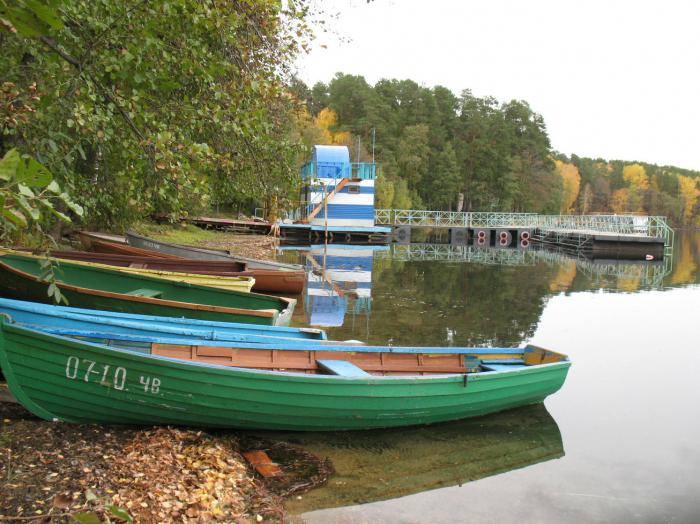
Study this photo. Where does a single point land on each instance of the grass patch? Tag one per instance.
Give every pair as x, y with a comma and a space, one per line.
178, 233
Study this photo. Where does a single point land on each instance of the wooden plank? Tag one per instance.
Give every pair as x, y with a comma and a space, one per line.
342, 368
318, 208
262, 463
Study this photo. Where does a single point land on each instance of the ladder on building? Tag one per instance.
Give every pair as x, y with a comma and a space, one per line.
340, 185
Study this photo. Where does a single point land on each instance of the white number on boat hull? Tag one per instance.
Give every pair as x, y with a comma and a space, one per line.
154, 384
104, 375
72, 367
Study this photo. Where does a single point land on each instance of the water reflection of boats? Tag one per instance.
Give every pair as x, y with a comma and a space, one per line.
386, 464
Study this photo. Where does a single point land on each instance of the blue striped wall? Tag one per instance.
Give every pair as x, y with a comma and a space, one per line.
348, 211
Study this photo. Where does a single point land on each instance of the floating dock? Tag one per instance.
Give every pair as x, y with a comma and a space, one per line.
598, 236
261, 227
314, 234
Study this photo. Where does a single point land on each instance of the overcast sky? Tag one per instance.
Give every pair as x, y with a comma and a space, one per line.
613, 79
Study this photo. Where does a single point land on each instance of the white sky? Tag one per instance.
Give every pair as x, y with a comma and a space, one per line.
617, 79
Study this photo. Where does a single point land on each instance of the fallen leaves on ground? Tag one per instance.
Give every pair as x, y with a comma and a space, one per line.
157, 475
261, 247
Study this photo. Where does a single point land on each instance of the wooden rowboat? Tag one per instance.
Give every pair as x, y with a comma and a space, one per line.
109, 237
317, 388
99, 245
63, 320
99, 288
232, 283
285, 282
196, 253
204, 267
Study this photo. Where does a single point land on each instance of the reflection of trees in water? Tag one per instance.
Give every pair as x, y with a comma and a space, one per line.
379, 465
686, 257
475, 304
564, 278
436, 301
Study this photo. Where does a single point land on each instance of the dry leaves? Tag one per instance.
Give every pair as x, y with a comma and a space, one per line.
253, 246
157, 475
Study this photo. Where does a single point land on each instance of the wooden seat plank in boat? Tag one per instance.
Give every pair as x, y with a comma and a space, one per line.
342, 368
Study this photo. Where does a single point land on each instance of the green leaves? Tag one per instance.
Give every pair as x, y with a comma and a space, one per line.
24, 171
173, 105
31, 18
27, 188
9, 165
120, 513
85, 517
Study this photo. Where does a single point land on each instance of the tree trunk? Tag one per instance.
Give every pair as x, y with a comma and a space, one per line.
460, 201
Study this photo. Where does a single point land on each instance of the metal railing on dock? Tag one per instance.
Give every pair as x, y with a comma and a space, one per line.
632, 225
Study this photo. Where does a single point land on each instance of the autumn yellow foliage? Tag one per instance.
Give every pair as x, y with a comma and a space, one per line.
619, 201
572, 183
689, 191
636, 176
324, 122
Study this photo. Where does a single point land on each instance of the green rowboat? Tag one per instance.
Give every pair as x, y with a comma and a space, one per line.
101, 288
325, 388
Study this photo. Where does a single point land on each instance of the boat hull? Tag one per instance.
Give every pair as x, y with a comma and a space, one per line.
58, 378
63, 320
267, 280
195, 253
99, 245
18, 280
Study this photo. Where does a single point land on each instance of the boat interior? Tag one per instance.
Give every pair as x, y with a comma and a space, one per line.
340, 360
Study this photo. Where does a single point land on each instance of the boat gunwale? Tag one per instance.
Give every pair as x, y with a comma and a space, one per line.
265, 312
270, 280
239, 371
90, 242
4, 252
122, 319
223, 254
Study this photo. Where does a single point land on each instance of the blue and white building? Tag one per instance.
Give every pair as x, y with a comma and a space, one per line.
348, 187
337, 197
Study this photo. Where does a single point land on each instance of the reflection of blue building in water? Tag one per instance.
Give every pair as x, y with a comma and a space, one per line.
339, 282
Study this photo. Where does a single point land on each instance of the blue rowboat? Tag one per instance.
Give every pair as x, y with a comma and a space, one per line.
66, 320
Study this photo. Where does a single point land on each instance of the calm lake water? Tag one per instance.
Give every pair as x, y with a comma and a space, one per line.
619, 443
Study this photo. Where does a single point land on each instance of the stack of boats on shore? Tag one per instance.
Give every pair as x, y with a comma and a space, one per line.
158, 333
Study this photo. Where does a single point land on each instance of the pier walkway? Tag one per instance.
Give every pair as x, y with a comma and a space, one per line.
595, 233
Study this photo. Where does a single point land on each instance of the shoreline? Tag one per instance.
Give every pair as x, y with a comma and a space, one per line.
156, 474
49, 470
